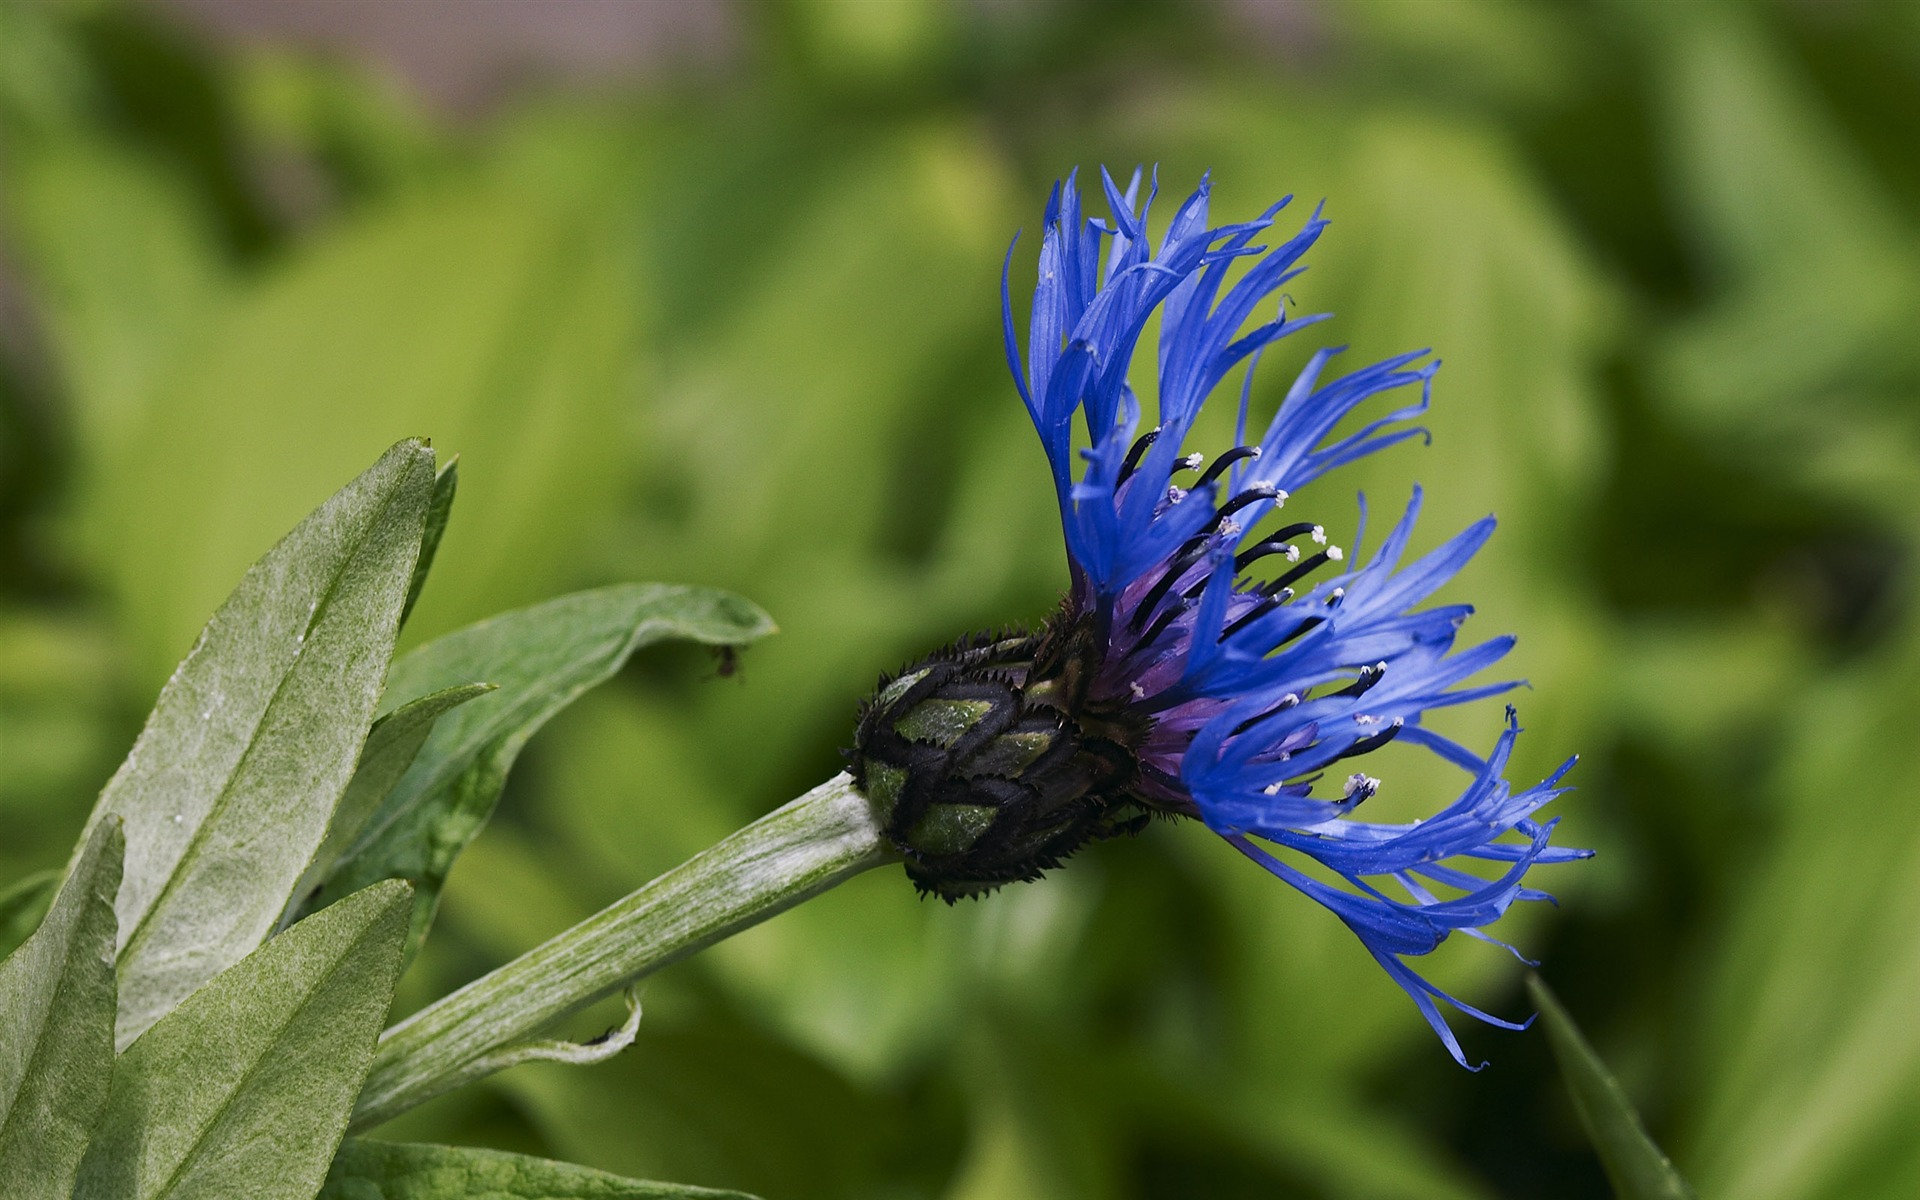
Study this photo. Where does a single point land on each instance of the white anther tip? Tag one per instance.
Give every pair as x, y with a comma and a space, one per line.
1335, 554
1292, 553
1319, 535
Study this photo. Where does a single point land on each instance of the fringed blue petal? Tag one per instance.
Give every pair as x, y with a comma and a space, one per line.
1260, 690
1089, 311
1413, 855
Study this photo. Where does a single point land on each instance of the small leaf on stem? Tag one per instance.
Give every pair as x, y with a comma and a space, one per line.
1637, 1167
401, 1171
542, 658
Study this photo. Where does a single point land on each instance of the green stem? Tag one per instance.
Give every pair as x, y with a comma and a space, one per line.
796, 852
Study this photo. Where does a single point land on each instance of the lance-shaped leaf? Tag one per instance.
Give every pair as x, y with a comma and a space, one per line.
230, 787
542, 658
1635, 1165
368, 1170
392, 745
244, 1089
439, 509
56, 1028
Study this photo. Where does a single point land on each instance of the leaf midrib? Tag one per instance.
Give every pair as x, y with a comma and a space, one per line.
137, 937
218, 1114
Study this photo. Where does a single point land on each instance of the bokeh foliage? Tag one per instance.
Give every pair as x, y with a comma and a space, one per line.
741, 330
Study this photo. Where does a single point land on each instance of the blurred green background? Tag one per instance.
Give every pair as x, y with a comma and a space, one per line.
707, 292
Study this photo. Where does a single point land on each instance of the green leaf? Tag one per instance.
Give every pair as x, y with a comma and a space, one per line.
367, 1170
230, 787
392, 748
392, 745
56, 1006
445, 484
22, 905
244, 1089
1637, 1167
542, 658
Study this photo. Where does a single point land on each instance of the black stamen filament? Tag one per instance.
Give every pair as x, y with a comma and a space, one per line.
1253, 495
1367, 745
1266, 605
1183, 559
1276, 543
1247, 558
1364, 684
1286, 702
1160, 624
1134, 455
1261, 609
1361, 790
1226, 460
1298, 570
1299, 629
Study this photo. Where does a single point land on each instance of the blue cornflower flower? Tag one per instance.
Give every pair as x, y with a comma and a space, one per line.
1171, 681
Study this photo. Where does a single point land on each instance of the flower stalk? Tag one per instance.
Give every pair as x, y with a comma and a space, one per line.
796, 852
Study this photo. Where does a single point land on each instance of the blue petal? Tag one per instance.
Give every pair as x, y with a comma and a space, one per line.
1408, 854
1270, 687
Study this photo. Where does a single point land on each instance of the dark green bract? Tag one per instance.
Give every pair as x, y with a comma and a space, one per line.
986, 763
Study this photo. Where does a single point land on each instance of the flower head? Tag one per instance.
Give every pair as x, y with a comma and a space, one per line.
1213, 658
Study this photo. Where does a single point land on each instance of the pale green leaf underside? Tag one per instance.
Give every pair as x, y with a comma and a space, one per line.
230, 787
56, 1029
1637, 1167
542, 658
439, 509
368, 1170
244, 1089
